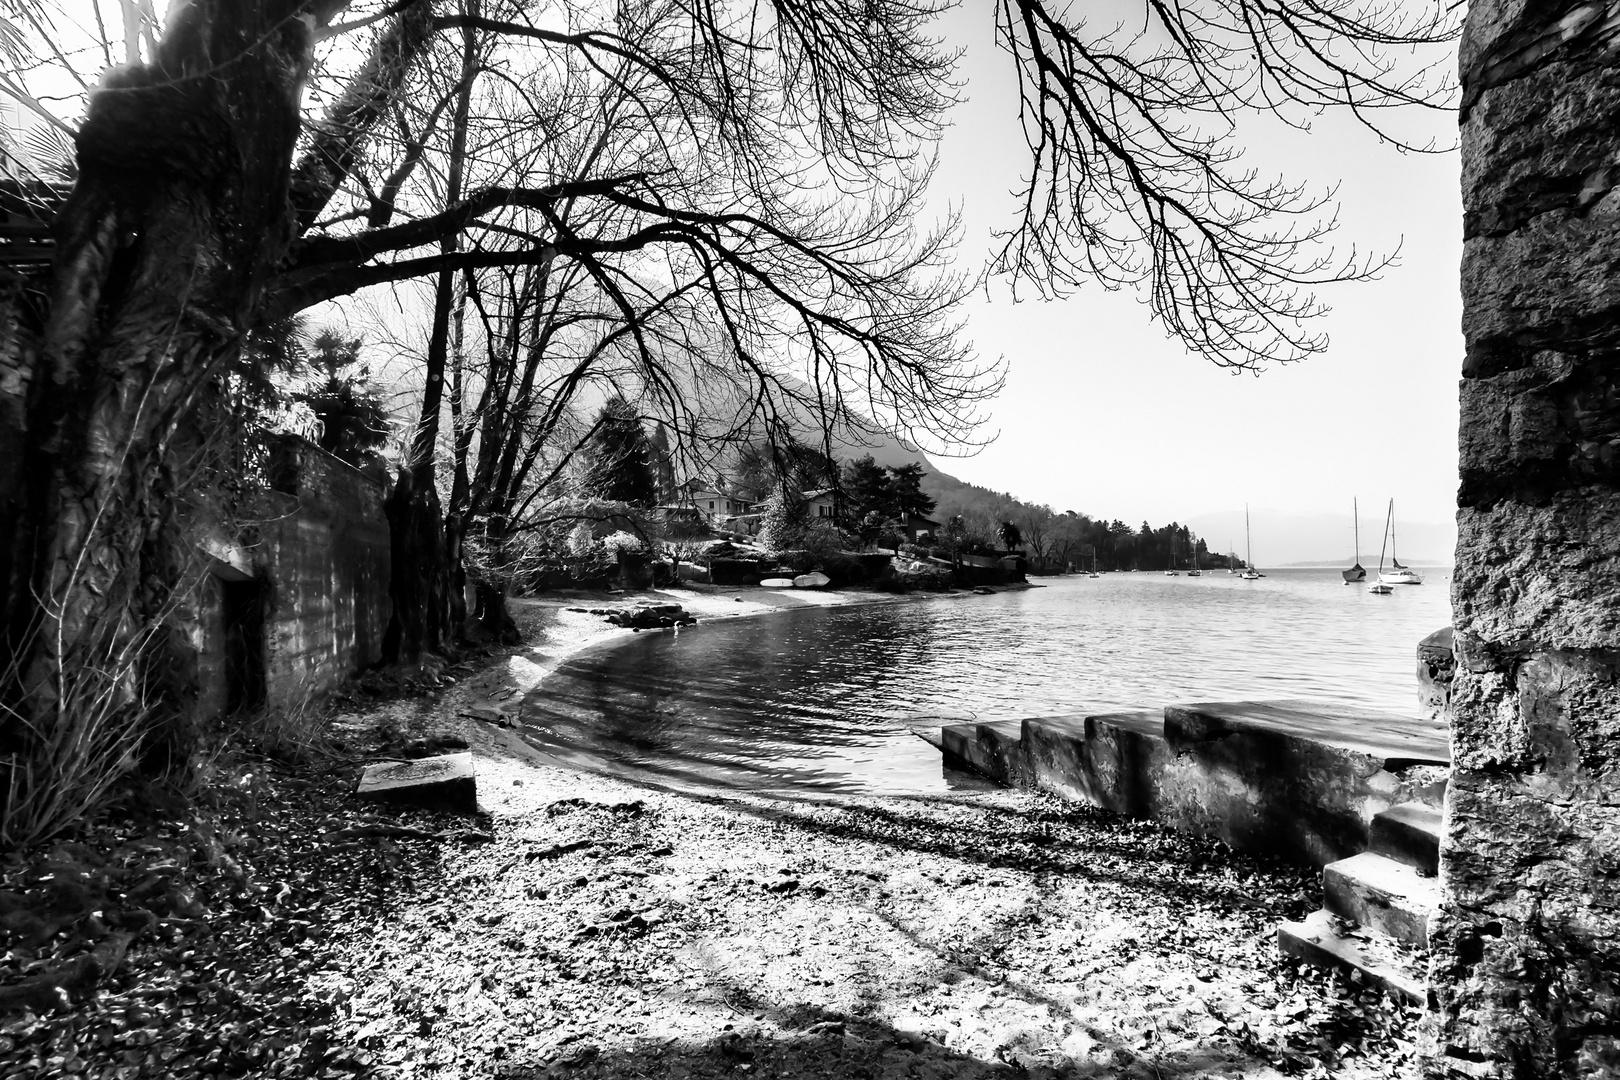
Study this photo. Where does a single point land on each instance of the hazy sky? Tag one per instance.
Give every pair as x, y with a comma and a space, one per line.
1106, 415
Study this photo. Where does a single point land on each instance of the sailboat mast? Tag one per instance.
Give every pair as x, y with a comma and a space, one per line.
1394, 557
1355, 515
1389, 521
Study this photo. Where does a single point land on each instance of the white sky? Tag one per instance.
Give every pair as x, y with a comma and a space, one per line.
1105, 415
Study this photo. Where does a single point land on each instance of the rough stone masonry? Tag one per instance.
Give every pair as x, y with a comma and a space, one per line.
1526, 976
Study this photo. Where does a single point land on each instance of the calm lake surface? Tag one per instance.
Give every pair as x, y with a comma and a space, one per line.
818, 698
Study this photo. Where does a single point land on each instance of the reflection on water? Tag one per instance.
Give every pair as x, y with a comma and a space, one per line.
816, 697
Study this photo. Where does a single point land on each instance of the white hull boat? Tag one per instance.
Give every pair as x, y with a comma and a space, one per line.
1398, 575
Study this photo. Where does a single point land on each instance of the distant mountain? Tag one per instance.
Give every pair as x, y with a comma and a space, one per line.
1283, 539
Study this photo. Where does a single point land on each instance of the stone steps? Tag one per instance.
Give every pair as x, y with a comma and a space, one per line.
1382, 896
1410, 834
1376, 905
1328, 941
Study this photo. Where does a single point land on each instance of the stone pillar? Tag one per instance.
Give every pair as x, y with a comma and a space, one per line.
1526, 975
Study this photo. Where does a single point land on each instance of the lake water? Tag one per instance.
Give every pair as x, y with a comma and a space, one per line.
818, 698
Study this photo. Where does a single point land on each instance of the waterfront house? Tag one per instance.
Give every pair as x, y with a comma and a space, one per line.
716, 502
820, 504
917, 528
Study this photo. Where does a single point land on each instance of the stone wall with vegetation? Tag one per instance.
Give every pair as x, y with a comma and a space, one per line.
323, 549
1526, 977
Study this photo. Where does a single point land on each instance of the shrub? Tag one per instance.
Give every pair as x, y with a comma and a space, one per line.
783, 519
843, 568
823, 538
799, 561
621, 543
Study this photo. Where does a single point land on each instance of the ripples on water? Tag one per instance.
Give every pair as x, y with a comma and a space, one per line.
817, 697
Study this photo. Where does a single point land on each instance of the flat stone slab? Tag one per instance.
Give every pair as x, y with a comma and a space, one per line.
1322, 941
437, 783
1388, 737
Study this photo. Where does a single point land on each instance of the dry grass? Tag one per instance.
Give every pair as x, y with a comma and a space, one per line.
296, 734
76, 754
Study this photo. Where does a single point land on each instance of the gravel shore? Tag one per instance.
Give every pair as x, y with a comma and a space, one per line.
589, 926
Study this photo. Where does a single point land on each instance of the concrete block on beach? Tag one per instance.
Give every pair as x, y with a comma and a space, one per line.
1304, 779
435, 783
1299, 780
990, 749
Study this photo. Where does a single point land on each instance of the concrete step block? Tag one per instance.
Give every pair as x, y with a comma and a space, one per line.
993, 749
1326, 941
1383, 895
1410, 834
1303, 779
436, 783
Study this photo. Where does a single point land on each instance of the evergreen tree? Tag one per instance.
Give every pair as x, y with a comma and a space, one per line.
621, 468
663, 464
868, 490
909, 498
353, 419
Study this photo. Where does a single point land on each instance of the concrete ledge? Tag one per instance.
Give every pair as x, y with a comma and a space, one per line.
990, 749
1293, 779
1302, 780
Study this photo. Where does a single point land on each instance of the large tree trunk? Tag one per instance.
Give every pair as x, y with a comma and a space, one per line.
1526, 969
420, 588
494, 618
185, 203
180, 210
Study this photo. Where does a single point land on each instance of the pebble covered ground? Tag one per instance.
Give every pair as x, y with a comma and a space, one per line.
585, 926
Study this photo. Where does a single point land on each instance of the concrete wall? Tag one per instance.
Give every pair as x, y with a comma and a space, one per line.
1526, 976
323, 548
314, 557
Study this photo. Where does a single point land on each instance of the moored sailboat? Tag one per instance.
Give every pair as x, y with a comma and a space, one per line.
1356, 572
1398, 575
1381, 587
1249, 572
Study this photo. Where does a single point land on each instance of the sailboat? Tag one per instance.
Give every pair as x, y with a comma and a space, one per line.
1382, 587
1093, 573
1170, 570
1399, 575
1192, 559
1356, 572
1249, 573
1231, 559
